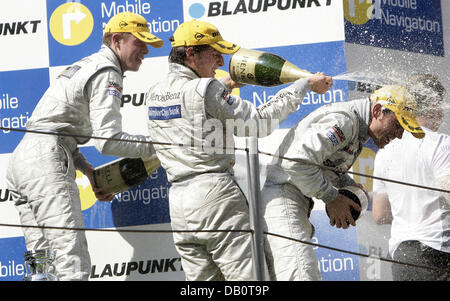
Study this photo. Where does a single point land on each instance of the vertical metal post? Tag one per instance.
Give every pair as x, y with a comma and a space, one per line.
255, 208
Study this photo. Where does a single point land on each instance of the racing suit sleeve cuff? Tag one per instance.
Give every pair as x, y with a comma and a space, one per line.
222, 81
301, 86
346, 180
329, 195
80, 162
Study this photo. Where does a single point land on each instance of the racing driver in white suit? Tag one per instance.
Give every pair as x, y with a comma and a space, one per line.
84, 100
190, 110
332, 136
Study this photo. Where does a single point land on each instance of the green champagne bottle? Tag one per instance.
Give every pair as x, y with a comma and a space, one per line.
263, 69
124, 173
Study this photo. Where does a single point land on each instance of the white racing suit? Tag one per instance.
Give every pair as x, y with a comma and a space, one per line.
84, 100
333, 136
192, 112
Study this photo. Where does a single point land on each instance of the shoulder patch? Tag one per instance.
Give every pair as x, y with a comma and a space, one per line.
227, 97
114, 89
70, 71
336, 135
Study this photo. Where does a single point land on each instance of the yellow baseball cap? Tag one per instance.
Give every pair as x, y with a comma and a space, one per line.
134, 24
398, 100
194, 32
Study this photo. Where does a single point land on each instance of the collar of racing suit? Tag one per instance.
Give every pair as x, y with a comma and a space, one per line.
361, 107
106, 51
182, 70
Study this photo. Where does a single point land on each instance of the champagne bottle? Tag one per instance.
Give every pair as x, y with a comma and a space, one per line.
263, 69
124, 173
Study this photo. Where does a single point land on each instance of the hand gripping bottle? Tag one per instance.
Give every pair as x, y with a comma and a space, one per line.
358, 196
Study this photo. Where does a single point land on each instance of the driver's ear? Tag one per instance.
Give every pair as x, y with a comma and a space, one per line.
377, 111
190, 52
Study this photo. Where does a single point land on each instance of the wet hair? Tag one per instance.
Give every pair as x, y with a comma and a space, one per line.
386, 111
426, 89
178, 54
